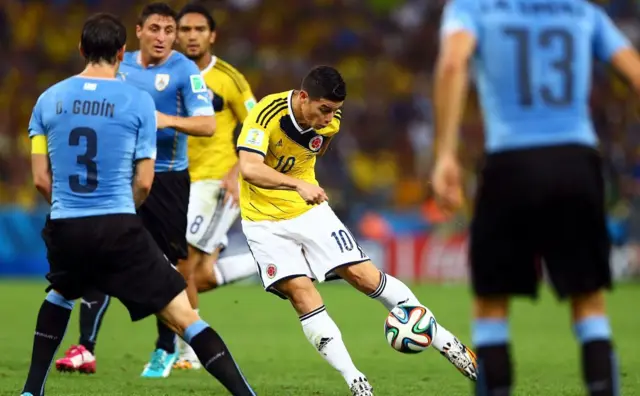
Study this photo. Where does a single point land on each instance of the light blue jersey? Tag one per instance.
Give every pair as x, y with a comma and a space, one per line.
177, 89
96, 129
533, 66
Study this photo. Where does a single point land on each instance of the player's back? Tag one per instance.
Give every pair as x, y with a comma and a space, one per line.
91, 126
533, 70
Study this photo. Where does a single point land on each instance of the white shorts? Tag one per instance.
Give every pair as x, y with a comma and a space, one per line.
209, 218
313, 244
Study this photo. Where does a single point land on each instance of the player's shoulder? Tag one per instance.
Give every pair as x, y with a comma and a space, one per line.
270, 100
265, 112
178, 61
130, 58
229, 72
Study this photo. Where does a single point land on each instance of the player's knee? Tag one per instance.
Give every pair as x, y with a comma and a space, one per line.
363, 276
205, 279
301, 292
178, 314
491, 307
588, 304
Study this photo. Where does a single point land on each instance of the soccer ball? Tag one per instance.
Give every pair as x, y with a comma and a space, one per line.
410, 328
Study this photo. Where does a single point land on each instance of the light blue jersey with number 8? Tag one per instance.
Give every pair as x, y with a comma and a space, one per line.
533, 67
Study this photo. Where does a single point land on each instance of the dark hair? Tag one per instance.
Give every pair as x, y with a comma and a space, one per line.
103, 35
162, 9
197, 8
325, 82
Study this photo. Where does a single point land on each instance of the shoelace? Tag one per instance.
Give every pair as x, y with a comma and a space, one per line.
157, 360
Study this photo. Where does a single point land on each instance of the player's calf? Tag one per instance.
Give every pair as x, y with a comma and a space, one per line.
592, 329
321, 330
207, 344
391, 292
491, 340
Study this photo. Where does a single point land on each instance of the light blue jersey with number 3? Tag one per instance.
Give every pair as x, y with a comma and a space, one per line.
533, 66
96, 130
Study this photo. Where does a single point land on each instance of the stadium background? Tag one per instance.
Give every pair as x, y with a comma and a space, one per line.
376, 174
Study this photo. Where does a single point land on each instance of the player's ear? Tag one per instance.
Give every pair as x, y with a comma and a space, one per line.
138, 31
80, 49
304, 96
212, 39
120, 54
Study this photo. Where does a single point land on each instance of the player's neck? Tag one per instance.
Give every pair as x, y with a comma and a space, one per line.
296, 106
204, 61
146, 60
99, 70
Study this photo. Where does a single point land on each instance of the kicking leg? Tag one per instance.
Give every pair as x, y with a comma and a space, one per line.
321, 331
592, 329
51, 325
81, 357
210, 348
391, 292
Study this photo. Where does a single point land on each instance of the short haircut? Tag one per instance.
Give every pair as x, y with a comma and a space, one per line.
325, 82
103, 35
197, 8
162, 9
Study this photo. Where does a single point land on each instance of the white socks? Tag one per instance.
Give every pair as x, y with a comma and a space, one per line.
392, 292
233, 268
324, 335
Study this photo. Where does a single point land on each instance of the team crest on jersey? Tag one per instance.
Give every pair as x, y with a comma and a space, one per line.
162, 81
316, 143
272, 270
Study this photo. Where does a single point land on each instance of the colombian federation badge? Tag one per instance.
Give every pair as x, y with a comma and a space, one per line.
316, 143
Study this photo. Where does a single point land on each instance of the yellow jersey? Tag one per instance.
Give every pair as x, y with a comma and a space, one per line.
213, 157
271, 130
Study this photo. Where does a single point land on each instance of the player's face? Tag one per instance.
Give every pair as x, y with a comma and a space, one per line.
157, 36
318, 113
194, 36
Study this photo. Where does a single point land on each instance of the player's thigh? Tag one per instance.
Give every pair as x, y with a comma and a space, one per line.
502, 253
576, 243
205, 203
135, 271
164, 213
66, 255
278, 256
327, 243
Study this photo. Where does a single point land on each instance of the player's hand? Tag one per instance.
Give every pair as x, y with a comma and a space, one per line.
447, 183
311, 193
163, 120
230, 184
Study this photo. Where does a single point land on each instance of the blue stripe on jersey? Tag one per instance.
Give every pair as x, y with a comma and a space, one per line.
175, 91
96, 129
533, 67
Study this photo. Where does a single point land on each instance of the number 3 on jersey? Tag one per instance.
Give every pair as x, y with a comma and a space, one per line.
528, 45
86, 160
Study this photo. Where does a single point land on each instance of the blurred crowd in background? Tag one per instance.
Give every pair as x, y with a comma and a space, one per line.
377, 170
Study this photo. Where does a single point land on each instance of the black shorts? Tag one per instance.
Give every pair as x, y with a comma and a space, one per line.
540, 205
114, 254
164, 213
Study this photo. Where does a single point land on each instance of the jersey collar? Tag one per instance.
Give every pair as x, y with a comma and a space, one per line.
139, 61
293, 118
210, 65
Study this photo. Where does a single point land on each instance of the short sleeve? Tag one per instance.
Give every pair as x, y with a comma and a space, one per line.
194, 91
36, 125
243, 100
459, 15
147, 129
253, 138
607, 38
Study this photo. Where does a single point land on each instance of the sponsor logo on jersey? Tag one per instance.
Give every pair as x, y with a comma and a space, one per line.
254, 137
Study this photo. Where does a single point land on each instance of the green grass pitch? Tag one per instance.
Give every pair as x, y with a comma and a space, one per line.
265, 337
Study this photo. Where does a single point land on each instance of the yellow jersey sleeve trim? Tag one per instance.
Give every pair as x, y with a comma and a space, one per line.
39, 144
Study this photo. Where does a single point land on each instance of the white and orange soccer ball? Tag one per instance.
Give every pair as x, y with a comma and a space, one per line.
410, 328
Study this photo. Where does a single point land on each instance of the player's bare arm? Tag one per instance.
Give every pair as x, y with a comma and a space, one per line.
256, 172
627, 62
41, 170
451, 87
202, 126
143, 180
230, 184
